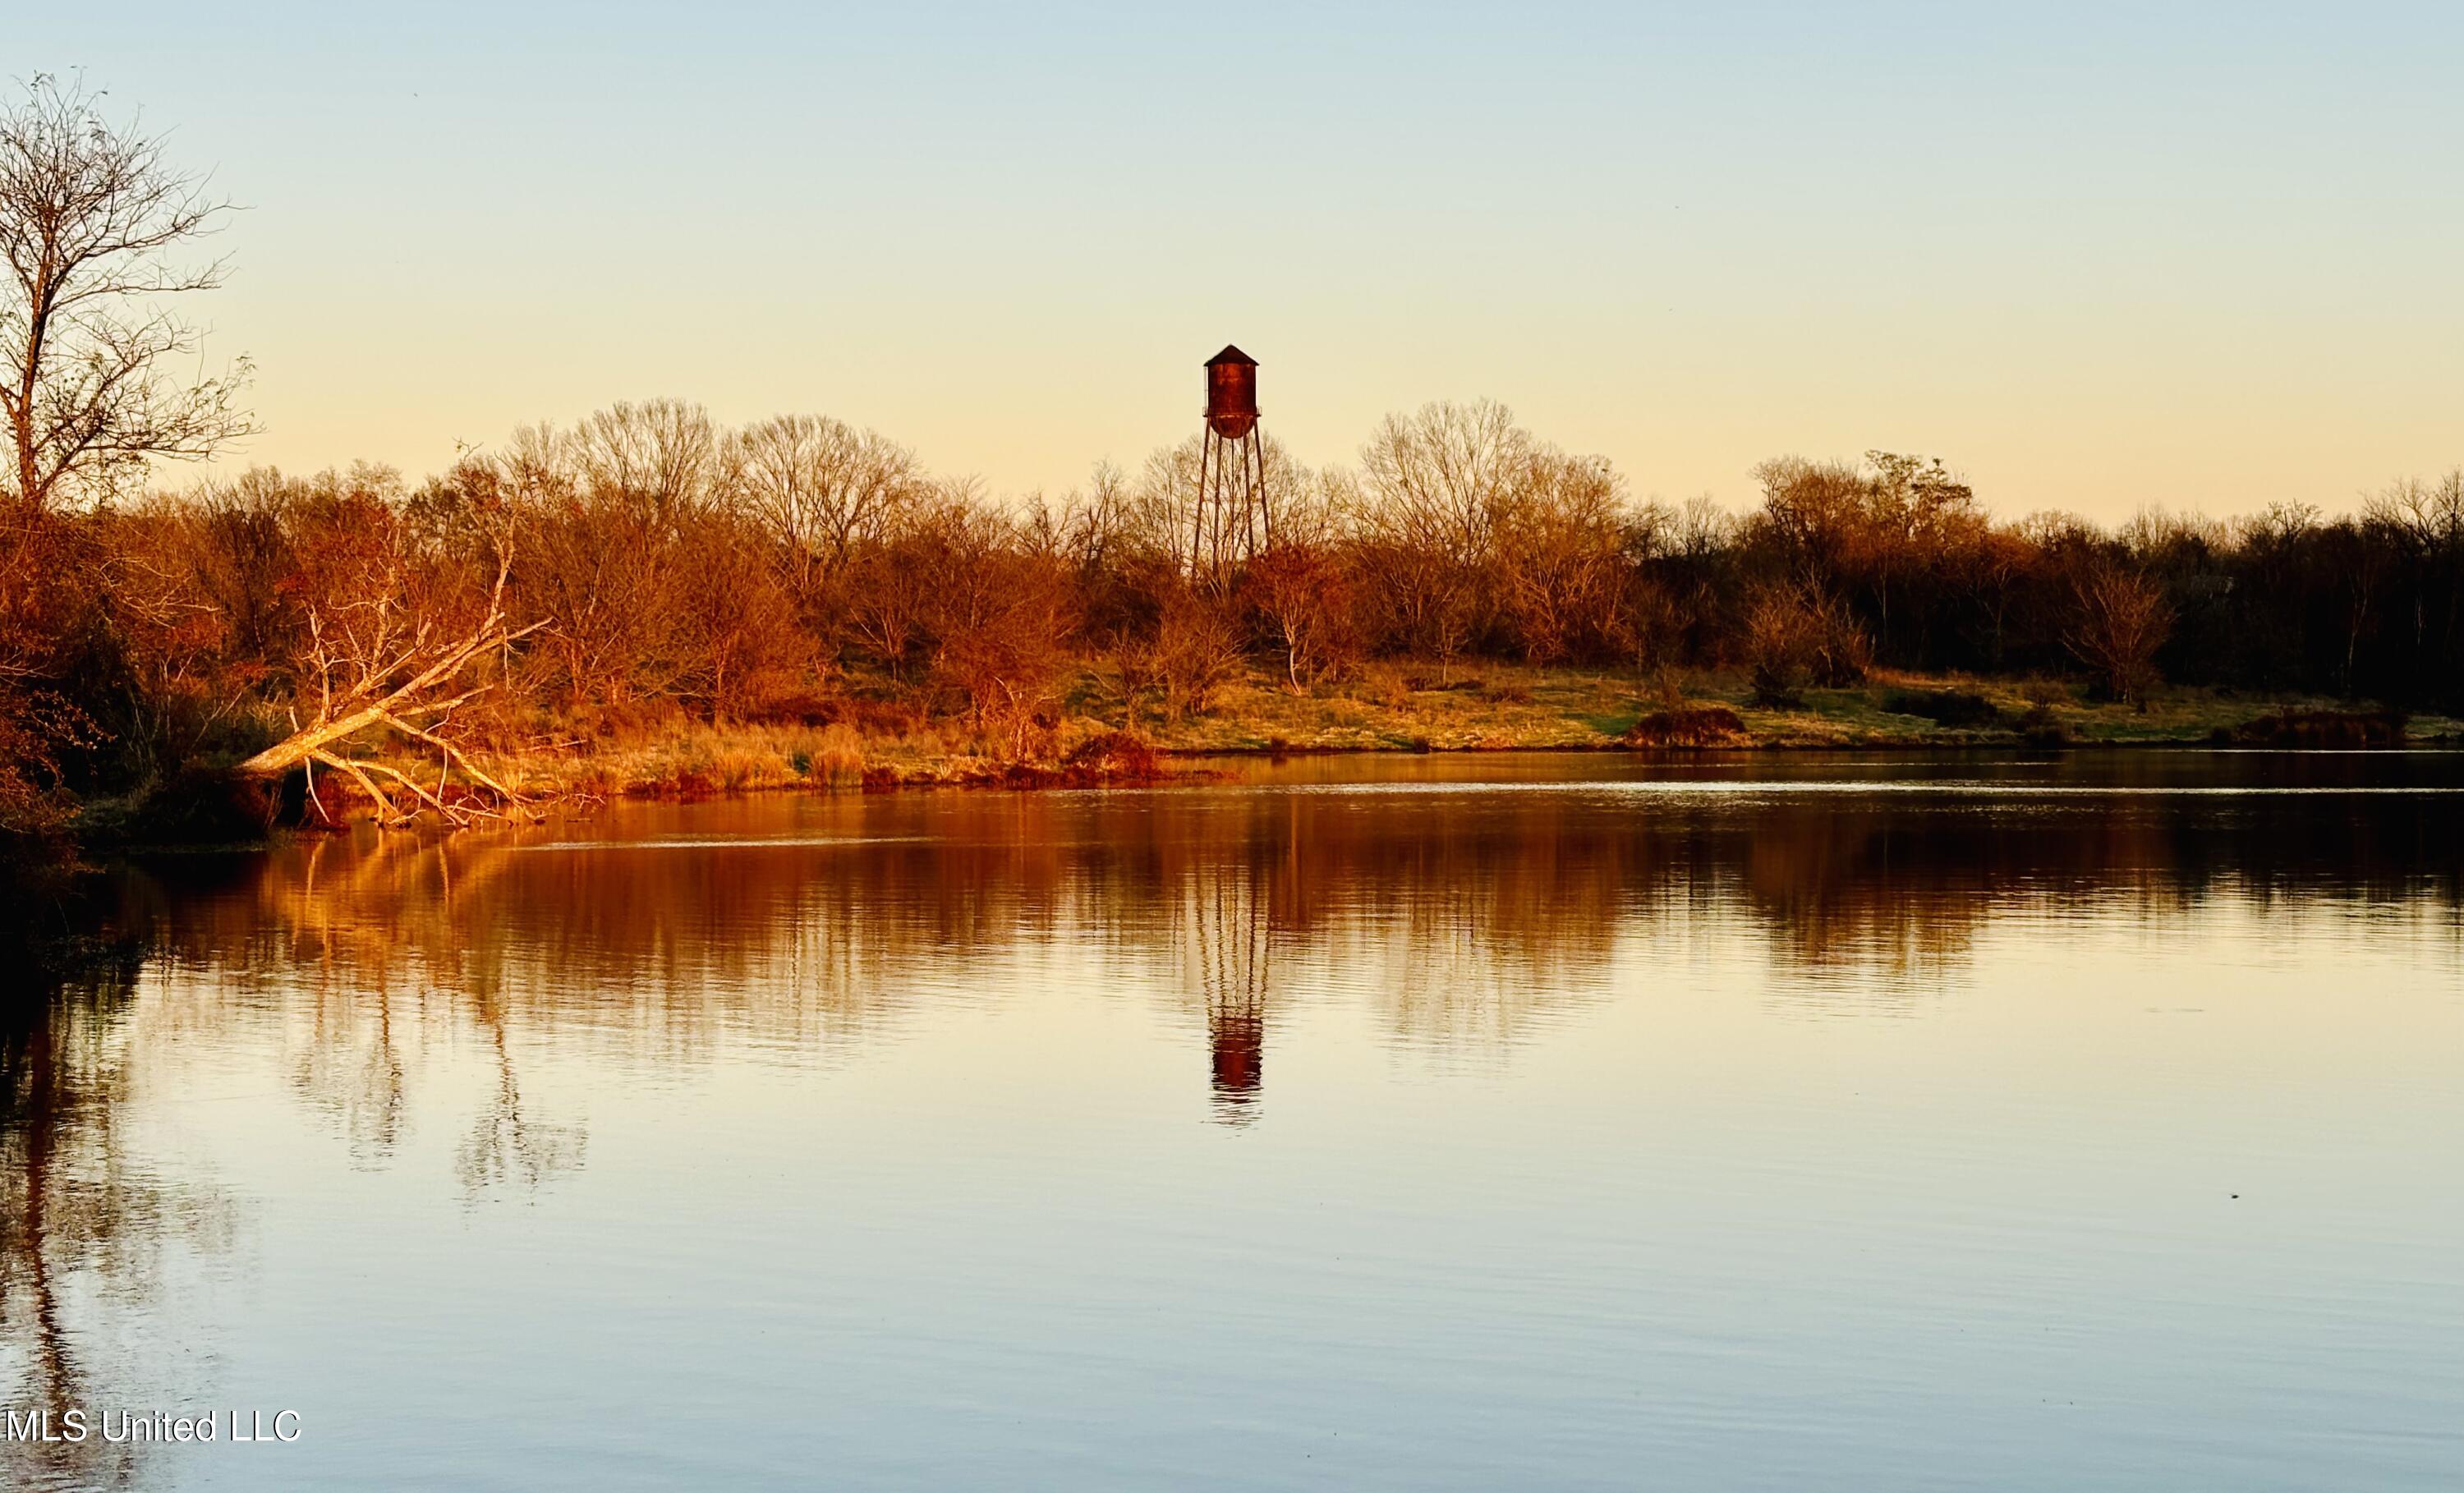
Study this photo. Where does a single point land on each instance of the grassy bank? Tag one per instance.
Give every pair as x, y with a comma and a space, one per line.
1094, 740
1495, 708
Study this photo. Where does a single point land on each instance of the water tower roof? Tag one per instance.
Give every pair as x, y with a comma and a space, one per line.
1231, 353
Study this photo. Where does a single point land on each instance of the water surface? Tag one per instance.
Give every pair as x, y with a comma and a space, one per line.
1765, 1121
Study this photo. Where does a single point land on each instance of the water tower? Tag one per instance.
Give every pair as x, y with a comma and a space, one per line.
1231, 522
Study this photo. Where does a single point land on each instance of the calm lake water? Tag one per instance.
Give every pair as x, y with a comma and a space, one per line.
1499, 1122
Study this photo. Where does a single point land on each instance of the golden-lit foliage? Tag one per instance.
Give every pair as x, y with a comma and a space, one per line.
799, 571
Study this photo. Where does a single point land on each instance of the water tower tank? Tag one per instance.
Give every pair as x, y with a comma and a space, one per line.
1231, 393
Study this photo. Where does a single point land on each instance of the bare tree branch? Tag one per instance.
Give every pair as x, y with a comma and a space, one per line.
90, 213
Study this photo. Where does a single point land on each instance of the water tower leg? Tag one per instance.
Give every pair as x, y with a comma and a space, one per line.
1265, 514
1198, 508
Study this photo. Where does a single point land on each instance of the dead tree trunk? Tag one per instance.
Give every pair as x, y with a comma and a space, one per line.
374, 670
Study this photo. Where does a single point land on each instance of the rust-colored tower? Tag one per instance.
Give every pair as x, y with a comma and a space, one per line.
1231, 522
1231, 393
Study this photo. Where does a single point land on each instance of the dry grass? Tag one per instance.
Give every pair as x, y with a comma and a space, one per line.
1497, 706
1387, 706
837, 759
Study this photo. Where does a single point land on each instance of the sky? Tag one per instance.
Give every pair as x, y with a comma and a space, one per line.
2098, 259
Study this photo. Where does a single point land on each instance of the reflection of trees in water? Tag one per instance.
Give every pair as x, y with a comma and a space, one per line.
506, 1147
83, 1233
1465, 921
364, 948
1493, 920
1857, 893
1890, 893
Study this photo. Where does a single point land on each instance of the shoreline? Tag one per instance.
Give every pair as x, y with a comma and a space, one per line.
1176, 767
1092, 740
2011, 744
1490, 708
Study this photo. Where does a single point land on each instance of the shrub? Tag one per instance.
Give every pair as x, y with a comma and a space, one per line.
1793, 636
1383, 684
2324, 728
1196, 651
1113, 757
2041, 727
1694, 726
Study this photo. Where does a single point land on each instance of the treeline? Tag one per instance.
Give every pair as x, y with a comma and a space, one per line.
801, 568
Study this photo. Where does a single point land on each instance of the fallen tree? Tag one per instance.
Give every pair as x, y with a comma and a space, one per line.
375, 663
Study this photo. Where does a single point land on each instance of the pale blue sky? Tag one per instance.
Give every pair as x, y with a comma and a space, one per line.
2098, 257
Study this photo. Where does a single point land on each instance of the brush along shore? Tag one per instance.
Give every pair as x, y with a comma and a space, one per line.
1091, 739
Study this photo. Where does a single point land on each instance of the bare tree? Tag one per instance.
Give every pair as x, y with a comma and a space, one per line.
1436, 487
897, 578
735, 619
1442, 478
92, 221
1001, 613
1196, 650
819, 487
602, 509
2425, 520
1562, 566
658, 460
2118, 620
1302, 595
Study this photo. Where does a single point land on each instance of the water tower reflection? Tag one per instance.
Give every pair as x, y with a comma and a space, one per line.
1226, 952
